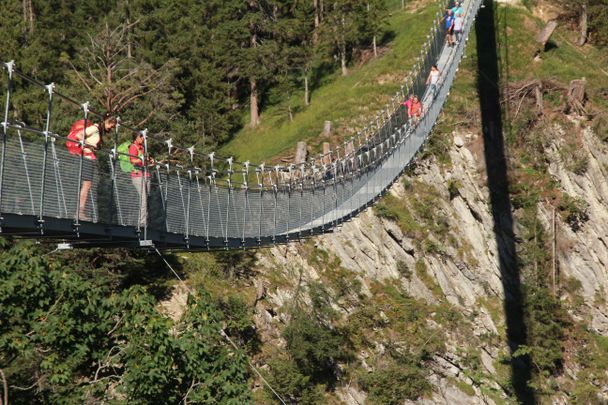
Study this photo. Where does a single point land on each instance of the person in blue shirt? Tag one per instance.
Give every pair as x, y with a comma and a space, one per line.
449, 27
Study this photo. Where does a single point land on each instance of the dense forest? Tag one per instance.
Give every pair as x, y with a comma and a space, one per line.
197, 69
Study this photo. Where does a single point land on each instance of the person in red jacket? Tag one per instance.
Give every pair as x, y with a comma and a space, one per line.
415, 111
139, 177
408, 103
92, 141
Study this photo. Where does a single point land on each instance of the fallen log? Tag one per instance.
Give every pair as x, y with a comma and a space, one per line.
577, 97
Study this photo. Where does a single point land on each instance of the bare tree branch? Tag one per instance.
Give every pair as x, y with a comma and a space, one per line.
4, 388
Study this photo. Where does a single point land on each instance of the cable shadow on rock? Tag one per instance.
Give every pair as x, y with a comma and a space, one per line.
498, 185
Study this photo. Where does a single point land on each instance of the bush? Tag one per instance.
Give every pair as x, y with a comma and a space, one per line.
546, 320
600, 127
291, 384
392, 384
314, 347
573, 211
453, 186
383, 211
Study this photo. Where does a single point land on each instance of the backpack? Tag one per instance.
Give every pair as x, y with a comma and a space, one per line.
73, 142
123, 157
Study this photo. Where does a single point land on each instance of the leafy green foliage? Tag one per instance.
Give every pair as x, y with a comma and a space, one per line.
292, 385
394, 382
315, 347
546, 320
573, 211
67, 338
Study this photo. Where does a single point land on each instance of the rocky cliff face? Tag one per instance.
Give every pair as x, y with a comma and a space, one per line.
454, 264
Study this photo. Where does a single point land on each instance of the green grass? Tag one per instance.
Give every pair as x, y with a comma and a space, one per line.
564, 62
349, 102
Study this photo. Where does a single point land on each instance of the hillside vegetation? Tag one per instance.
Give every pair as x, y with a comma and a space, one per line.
350, 102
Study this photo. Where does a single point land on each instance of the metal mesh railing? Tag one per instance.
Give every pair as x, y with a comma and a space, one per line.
221, 201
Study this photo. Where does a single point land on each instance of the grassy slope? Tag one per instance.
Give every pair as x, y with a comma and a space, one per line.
517, 47
347, 101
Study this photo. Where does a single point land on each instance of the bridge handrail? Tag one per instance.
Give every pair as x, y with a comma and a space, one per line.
228, 201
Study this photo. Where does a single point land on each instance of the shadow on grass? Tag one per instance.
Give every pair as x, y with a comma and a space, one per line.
498, 184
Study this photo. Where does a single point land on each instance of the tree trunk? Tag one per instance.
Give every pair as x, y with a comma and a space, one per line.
317, 11
255, 115
583, 26
306, 91
343, 48
402, 4
343, 60
374, 44
129, 46
28, 15
321, 10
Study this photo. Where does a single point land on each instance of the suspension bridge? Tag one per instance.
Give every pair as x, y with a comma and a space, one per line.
213, 202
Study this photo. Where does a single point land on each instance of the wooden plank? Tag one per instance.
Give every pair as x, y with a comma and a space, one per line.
546, 33
326, 153
301, 152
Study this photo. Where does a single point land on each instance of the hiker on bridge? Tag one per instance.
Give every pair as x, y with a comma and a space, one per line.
139, 177
84, 151
433, 80
415, 110
458, 25
449, 27
457, 9
408, 104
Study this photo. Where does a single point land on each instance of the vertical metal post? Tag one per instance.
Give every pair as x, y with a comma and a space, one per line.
276, 200
289, 201
165, 193
85, 109
246, 190
324, 171
197, 172
189, 199
230, 171
10, 66
144, 192
335, 174
187, 236
47, 125
259, 173
302, 173
181, 195
113, 158
314, 189
209, 178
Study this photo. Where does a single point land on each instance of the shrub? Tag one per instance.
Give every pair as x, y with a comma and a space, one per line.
383, 211
573, 211
453, 186
291, 384
314, 347
392, 384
